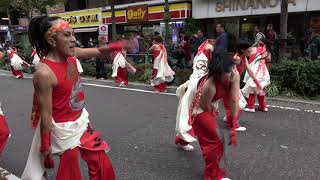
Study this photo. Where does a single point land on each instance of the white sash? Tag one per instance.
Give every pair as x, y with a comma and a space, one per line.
165, 73
119, 61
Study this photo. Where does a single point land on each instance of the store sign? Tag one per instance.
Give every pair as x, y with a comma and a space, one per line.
86, 18
236, 5
103, 29
137, 13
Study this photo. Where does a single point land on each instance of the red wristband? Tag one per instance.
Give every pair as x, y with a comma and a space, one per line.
115, 46
45, 141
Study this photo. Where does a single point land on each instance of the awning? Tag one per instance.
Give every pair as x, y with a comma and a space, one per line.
89, 29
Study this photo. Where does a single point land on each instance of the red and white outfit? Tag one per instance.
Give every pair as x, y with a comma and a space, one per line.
119, 69
17, 64
161, 72
254, 88
70, 131
36, 59
194, 122
200, 61
4, 131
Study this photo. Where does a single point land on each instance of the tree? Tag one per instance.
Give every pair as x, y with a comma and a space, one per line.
283, 29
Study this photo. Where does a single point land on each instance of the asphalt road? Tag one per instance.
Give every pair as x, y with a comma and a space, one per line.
282, 144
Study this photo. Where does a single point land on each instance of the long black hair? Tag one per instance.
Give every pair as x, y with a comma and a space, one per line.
36, 32
243, 44
221, 62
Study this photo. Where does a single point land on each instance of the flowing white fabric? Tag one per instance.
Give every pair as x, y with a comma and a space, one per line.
79, 67
64, 136
186, 93
200, 66
258, 67
119, 61
165, 73
36, 60
16, 62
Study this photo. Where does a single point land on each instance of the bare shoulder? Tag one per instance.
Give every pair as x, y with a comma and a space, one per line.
44, 76
209, 86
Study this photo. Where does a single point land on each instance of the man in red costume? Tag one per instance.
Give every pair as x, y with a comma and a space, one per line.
61, 121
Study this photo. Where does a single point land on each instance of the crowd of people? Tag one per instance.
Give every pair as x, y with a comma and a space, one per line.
61, 122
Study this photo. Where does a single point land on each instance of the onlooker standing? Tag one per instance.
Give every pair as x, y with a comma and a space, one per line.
221, 43
100, 69
271, 35
199, 40
258, 35
186, 46
314, 45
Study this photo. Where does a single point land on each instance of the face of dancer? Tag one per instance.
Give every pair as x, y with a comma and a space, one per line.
63, 41
246, 52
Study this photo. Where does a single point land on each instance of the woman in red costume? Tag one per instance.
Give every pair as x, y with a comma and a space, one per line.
162, 72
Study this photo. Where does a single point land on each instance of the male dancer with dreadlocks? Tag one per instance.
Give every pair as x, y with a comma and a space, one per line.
62, 124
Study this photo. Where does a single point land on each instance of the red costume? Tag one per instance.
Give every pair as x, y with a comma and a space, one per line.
4, 132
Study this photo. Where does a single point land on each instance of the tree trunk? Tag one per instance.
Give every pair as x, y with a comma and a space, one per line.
283, 29
113, 17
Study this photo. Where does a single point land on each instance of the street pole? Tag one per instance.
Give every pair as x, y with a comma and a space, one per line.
283, 29
166, 20
113, 17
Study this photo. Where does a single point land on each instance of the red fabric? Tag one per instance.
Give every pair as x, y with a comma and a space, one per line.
68, 94
160, 87
91, 140
251, 100
187, 50
207, 53
155, 54
99, 165
252, 56
122, 76
4, 132
45, 142
205, 128
17, 73
227, 107
115, 46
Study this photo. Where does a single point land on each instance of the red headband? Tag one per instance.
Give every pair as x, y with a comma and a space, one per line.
61, 25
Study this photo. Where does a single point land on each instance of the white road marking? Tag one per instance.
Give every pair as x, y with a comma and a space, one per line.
171, 94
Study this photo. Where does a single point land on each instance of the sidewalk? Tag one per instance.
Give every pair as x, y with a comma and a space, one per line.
6, 175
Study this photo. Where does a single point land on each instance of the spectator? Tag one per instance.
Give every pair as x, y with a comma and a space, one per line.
271, 35
199, 40
186, 46
221, 43
258, 35
314, 45
100, 69
135, 47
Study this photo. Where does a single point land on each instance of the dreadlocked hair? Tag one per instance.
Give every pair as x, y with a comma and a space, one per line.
36, 32
220, 63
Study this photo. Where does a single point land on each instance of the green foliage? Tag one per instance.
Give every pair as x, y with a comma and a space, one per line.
25, 49
191, 27
272, 89
300, 77
182, 75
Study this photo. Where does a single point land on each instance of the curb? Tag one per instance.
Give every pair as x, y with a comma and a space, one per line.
173, 88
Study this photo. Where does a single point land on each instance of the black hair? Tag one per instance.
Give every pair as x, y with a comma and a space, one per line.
221, 62
37, 28
222, 25
265, 41
243, 44
186, 38
157, 39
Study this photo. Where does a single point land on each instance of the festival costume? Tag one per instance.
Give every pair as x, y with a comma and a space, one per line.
204, 126
70, 132
255, 88
161, 72
17, 64
200, 61
36, 59
119, 69
4, 131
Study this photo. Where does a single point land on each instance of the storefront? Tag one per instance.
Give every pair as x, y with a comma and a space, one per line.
147, 19
240, 16
85, 23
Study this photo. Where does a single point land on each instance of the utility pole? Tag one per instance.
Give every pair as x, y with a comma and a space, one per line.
283, 29
113, 17
166, 20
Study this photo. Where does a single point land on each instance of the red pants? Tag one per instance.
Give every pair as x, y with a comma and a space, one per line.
226, 103
122, 76
179, 140
99, 165
17, 73
160, 87
251, 100
205, 128
4, 132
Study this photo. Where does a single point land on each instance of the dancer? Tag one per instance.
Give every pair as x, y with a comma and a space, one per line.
17, 64
120, 67
222, 81
36, 59
61, 121
4, 131
257, 75
200, 61
162, 72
